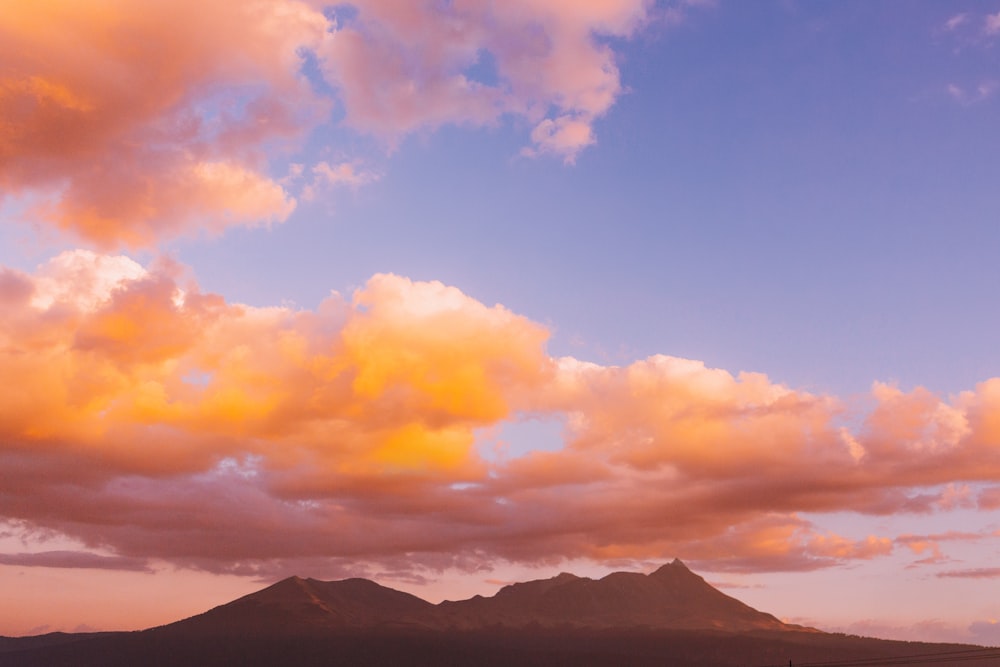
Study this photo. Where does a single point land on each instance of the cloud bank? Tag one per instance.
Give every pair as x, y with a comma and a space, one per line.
148, 420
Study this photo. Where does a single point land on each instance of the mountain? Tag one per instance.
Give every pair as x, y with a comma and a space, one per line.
297, 606
672, 597
669, 617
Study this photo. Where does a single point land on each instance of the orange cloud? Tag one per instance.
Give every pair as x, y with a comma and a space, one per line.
147, 420
138, 121
109, 350
931, 544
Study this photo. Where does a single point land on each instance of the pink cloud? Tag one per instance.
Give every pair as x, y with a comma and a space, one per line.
992, 24
75, 560
973, 573
989, 499
132, 124
564, 136
343, 174
139, 122
406, 67
147, 418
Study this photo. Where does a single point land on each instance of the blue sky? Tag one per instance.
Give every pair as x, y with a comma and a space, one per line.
783, 188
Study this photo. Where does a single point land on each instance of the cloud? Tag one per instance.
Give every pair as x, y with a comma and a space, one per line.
989, 499
992, 24
971, 95
405, 67
82, 279
972, 573
564, 136
146, 419
74, 559
956, 21
929, 546
343, 174
131, 122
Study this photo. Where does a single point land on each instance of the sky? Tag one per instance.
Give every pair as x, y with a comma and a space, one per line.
449, 294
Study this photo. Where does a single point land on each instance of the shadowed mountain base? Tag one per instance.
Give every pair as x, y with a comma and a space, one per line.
483, 648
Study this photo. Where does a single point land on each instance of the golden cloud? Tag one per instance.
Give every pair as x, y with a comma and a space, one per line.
133, 121
144, 417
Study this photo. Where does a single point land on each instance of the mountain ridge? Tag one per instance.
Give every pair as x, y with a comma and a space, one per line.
670, 598
669, 616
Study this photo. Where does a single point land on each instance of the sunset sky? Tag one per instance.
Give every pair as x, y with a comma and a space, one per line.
452, 293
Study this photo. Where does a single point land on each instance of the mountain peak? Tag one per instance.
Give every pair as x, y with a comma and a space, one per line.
675, 569
676, 565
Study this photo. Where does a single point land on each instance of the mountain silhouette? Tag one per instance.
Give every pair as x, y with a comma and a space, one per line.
306, 606
668, 617
672, 597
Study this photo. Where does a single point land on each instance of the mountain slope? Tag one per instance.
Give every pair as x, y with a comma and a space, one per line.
673, 597
307, 606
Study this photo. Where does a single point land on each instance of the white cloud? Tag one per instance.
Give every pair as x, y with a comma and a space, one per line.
83, 279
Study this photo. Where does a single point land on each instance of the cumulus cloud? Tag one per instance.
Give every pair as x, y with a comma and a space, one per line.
147, 420
134, 123
402, 67
82, 279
